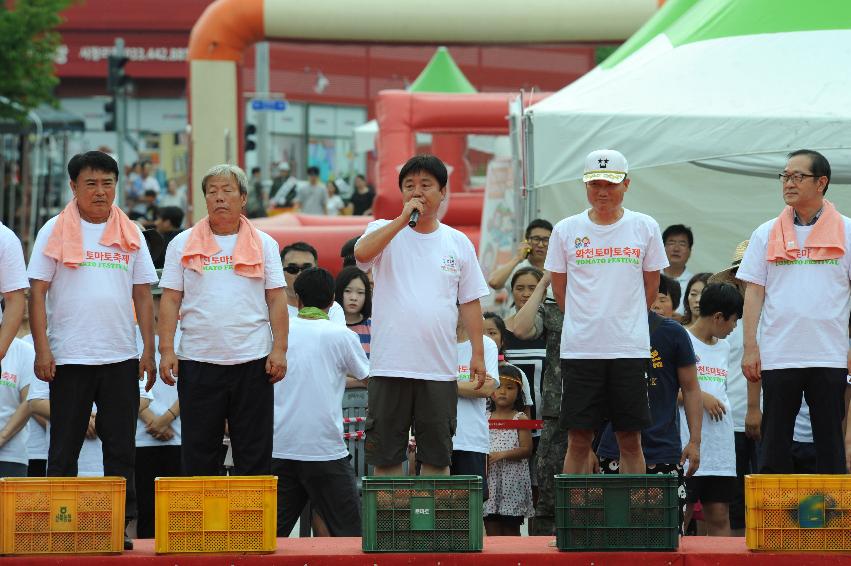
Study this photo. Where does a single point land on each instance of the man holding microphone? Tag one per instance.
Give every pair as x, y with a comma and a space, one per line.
426, 276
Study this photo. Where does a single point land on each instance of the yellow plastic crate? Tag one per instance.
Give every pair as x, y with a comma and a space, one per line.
216, 514
62, 515
798, 512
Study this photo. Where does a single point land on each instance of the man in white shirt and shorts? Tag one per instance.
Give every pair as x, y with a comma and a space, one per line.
605, 264
421, 273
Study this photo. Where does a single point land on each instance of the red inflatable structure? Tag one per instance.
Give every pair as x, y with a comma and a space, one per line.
401, 114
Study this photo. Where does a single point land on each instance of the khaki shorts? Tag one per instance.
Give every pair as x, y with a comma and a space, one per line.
395, 405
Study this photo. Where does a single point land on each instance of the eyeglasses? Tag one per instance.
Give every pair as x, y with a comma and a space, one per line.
795, 177
538, 240
294, 268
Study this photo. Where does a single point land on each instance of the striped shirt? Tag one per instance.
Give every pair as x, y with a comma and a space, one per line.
364, 331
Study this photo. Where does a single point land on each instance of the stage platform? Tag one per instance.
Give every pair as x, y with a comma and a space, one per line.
499, 551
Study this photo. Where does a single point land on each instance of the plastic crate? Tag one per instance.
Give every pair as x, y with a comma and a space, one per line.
798, 512
422, 514
62, 515
206, 514
617, 512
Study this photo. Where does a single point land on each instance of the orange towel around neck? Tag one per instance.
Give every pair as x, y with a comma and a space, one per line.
247, 254
826, 241
65, 243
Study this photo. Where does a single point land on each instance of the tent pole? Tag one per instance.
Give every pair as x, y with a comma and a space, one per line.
529, 191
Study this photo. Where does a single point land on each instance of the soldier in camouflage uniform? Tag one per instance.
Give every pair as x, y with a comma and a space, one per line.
546, 320
553, 443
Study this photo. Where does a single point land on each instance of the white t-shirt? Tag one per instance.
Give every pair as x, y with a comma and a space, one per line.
335, 313
471, 432
16, 373
224, 316
606, 306
37, 440
419, 278
162, 397
803, 427
90, 462
90, 317
804, 320
150, 183
737, 384
334, 205
13, 270
309, 400
718, 445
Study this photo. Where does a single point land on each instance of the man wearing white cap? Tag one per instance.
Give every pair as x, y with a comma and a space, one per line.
282, 185
605, 264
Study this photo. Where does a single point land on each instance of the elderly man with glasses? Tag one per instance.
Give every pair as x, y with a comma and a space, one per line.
298, 257
796, 312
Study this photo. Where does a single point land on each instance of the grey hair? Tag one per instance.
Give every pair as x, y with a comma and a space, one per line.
225, 170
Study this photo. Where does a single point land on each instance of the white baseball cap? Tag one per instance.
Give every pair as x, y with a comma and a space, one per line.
605, 164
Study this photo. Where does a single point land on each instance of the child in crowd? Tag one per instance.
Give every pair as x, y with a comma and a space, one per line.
16, 375
494, 328
354, 292
509, 485
714, 484
470, 445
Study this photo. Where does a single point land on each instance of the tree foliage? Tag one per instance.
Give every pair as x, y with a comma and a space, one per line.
28, 43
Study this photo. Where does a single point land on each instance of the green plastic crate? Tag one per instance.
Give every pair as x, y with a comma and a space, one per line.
617, 512
422, 514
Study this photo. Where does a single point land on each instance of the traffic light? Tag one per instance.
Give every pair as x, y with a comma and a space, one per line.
109, 108
116, 78
250, 131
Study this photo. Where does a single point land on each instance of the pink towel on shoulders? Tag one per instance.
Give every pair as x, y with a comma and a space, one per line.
65, 243
247, 254
826, 241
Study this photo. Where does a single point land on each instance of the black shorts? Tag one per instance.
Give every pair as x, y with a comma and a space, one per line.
465, 463
594, 391
710, 489
395, 403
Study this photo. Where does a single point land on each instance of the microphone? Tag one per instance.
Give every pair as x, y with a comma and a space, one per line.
415, 216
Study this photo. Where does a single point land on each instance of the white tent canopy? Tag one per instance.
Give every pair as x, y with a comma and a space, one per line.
705, 125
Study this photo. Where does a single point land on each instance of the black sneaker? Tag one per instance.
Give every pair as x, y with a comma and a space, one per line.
128, 542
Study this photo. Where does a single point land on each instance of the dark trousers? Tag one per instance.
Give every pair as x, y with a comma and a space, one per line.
37, 469
330, 487
211, 394
824, 391
804, 458
13, 470
114, 388
747, 462
152, 462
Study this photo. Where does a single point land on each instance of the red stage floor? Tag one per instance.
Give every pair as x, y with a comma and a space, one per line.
499, 551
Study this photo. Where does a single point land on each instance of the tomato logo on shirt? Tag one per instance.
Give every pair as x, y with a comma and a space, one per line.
583, 242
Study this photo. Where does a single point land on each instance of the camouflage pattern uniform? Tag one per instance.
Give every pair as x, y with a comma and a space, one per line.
553, 443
